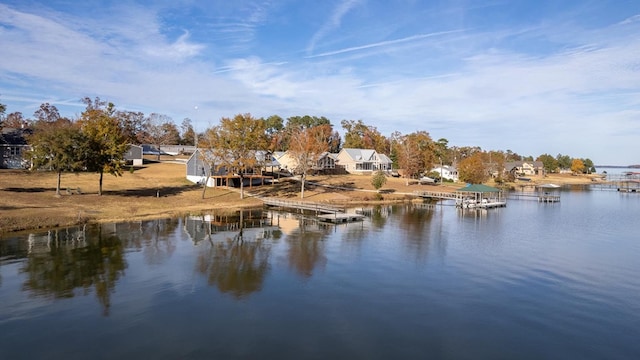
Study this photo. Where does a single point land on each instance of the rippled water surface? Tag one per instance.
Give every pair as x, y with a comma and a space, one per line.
529, 281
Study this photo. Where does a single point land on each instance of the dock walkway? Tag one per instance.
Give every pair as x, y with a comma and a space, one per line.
546, 198
340, 217
436, 195
303, 205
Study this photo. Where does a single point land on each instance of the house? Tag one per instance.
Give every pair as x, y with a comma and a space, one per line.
524, 168
446, 172
134, 155
326, 162
13, 148
199, 166
362, 161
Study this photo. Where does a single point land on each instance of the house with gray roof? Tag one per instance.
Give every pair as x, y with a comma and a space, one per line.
362, 161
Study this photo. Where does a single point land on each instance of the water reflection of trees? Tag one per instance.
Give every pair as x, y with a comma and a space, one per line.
379, 215
69, 262
154, 238
234, 266
415, 218
158, 244
306, 250
415, 222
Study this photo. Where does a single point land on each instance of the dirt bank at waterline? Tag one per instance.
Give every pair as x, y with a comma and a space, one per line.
160, 190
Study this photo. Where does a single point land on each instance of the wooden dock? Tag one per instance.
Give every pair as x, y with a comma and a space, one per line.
318, 208
324, 212
443, 195
337, 218
549, 198
545, 198
481, 205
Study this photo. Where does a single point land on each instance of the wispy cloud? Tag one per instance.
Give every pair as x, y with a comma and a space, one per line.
384, 43
179, 50
631, 19
333, 22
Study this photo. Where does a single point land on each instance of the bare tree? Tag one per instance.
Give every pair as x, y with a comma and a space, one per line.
160, 130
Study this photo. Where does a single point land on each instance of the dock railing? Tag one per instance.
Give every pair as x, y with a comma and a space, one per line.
436, 194
303, 205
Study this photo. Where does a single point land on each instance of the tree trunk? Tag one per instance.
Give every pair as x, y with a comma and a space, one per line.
100, 186
241, 187
204, 187
58, 184
302, 177
158, 152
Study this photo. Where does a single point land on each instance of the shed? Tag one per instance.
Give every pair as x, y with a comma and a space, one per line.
134, 155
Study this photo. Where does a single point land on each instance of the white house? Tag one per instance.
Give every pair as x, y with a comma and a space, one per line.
362, 161
520, 168
447, 172
326, 162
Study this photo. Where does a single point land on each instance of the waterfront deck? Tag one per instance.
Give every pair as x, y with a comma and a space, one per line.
481, 205
337, 218
303, 205
442, 195
323, 212
545, 198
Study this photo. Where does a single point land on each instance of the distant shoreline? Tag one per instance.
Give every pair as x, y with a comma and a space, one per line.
618, 166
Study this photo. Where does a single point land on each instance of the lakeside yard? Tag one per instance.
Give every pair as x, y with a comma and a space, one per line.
158, 190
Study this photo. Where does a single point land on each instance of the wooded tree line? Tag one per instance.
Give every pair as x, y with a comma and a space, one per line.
97, 140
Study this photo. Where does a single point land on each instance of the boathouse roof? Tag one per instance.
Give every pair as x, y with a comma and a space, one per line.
478, 188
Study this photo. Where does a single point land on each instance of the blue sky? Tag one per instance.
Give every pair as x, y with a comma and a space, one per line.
533, 77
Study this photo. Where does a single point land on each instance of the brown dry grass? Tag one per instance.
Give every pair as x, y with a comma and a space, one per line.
28, 201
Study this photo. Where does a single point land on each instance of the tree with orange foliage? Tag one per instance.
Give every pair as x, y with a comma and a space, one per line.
577, 166
472, 169
306, 147
238, 142
415, 152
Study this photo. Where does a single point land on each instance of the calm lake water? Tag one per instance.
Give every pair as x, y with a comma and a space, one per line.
529, 281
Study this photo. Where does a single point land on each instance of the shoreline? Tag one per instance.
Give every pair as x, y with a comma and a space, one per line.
28, 200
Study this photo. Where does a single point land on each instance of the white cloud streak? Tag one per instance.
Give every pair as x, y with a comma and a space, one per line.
333, 22
384, 43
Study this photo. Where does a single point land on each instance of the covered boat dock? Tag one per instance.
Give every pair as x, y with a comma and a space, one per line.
478, 196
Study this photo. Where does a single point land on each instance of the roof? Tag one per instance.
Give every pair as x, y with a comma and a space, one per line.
384, 158
13, 136
366, 155
260, 155
359, 154
478, 188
